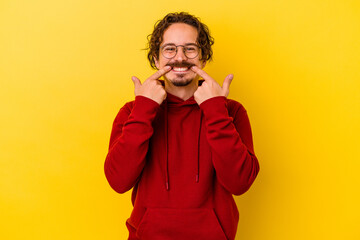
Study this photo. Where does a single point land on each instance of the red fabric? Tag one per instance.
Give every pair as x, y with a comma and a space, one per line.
184, 163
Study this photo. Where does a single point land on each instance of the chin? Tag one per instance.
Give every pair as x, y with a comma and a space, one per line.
180, 81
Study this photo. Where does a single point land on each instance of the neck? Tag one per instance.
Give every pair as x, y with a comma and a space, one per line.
183, 92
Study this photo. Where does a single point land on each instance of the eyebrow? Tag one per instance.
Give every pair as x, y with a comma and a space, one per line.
186, 44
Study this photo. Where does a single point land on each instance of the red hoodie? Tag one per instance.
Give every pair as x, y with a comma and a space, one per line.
184, 163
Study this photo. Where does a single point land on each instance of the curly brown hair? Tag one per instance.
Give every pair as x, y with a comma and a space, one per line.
204, 40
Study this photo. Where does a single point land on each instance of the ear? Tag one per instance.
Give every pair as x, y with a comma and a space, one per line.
156, 63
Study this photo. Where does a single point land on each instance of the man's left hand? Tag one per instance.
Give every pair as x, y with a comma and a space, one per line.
210, 88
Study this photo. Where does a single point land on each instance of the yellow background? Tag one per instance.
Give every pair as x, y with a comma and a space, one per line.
65, 69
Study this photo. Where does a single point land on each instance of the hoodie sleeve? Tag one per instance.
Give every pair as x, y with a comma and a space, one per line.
129, 142
229, 136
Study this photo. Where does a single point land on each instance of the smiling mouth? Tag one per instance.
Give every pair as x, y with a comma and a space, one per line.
180, 69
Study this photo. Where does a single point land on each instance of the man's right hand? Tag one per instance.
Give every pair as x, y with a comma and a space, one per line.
152, 87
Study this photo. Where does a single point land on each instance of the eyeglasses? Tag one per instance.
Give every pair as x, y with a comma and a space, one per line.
170, 50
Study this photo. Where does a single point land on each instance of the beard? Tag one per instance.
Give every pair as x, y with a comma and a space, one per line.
180, 79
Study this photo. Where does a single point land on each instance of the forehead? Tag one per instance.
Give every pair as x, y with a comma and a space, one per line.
180, 33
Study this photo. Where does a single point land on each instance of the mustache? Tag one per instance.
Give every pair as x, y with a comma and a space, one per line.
180, 64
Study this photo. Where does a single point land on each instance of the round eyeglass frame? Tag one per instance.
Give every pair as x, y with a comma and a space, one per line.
183, 47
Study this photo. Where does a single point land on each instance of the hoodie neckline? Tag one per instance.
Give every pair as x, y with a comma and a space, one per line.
173, 100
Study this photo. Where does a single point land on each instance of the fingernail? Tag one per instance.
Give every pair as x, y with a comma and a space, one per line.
231, 76
167, 68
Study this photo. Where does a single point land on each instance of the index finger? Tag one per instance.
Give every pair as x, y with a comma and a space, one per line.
202, 73
159, 73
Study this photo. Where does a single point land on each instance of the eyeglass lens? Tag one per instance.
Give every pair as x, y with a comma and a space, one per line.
170, 50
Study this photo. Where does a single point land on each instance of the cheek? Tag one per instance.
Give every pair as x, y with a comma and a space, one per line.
163, 63
160, 63
199, 64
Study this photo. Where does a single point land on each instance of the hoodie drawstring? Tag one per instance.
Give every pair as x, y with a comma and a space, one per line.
198, 151
166, 149
166, 137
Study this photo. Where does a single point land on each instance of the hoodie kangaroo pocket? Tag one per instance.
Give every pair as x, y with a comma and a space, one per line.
180, 224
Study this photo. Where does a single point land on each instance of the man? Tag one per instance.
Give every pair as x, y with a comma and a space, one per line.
182, 146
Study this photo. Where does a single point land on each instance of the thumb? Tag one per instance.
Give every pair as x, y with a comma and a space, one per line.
136, 81
226, 84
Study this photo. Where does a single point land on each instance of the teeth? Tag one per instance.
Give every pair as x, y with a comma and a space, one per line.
180, 69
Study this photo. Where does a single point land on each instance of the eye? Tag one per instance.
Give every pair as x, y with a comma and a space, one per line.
191, 49
169, 49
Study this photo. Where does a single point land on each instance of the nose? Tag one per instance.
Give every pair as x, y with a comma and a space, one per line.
180, 55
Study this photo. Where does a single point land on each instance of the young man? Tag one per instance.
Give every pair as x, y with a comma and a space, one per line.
182, 146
